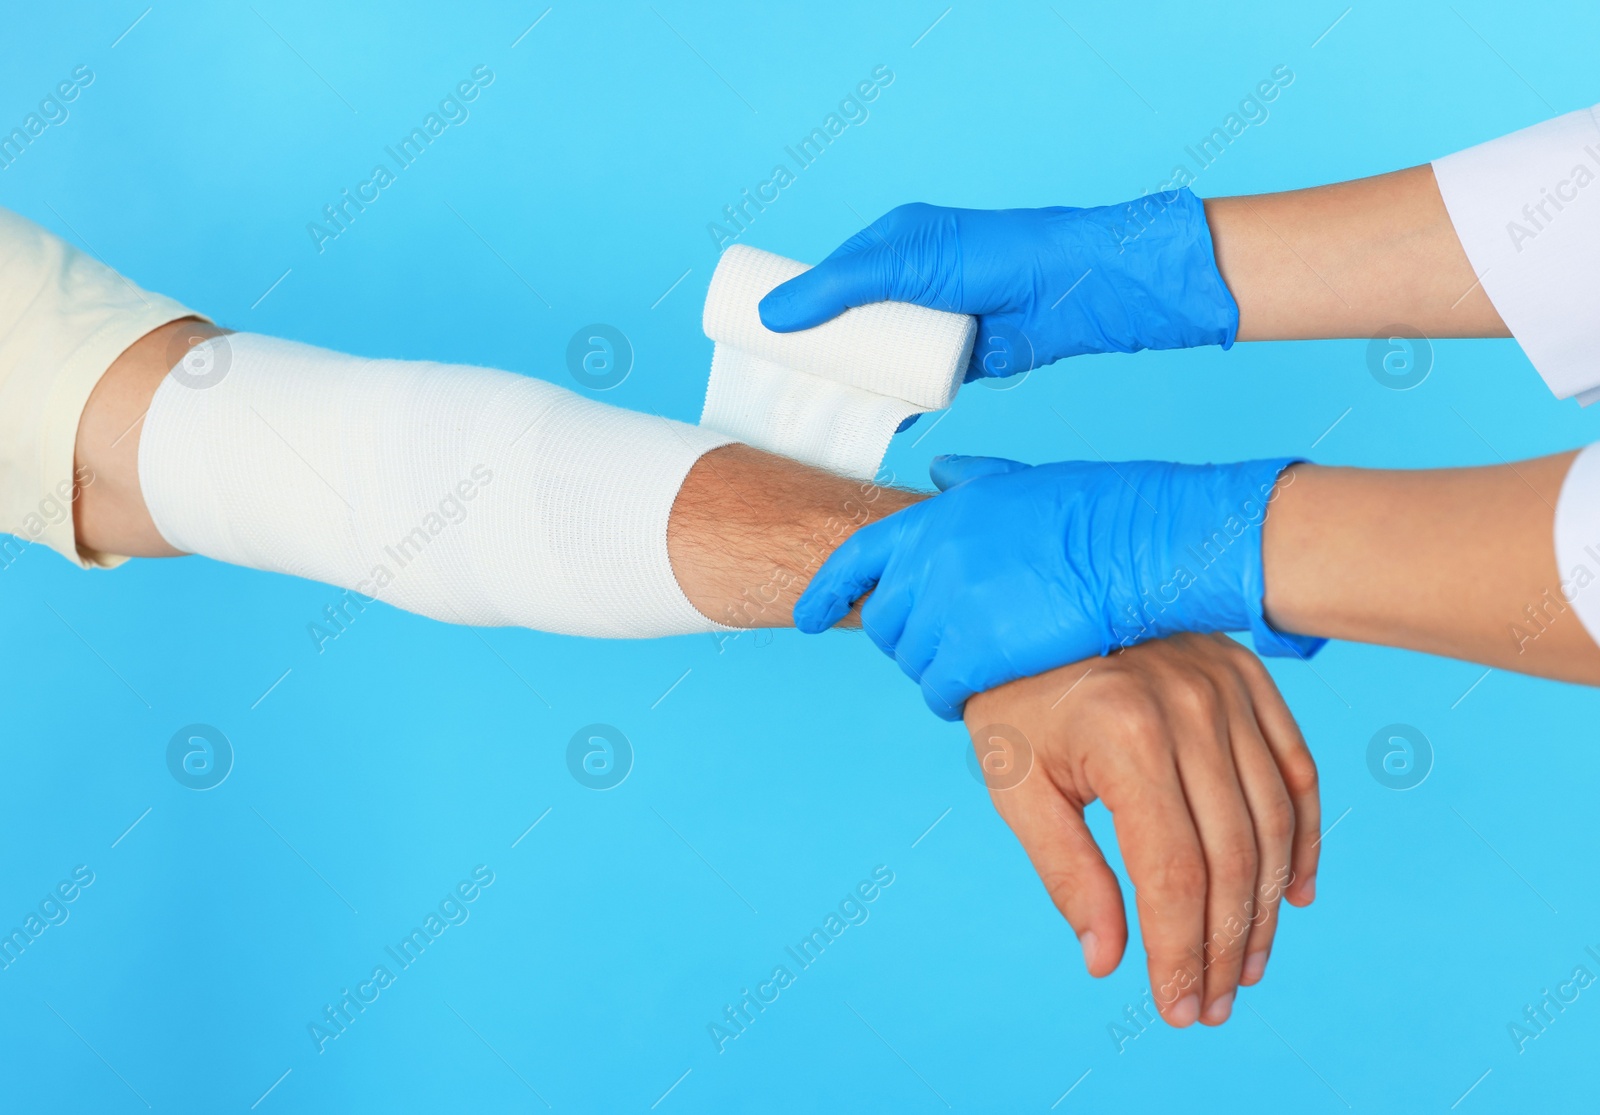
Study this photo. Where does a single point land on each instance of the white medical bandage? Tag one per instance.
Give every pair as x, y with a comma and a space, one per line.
831, 396
466, 494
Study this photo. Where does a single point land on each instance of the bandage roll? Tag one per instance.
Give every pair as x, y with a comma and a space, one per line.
831, 396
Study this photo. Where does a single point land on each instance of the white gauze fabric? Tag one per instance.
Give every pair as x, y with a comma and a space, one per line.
831, 396
470, 495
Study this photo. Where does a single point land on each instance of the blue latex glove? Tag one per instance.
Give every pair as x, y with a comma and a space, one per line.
1044, 283
1016, 569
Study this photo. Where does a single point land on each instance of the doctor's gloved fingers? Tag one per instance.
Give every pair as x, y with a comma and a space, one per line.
944, 700
910, 632
951, 469
1070, 865
849, 573
1002, 348
955, 674
884, 615
838, 283
1296, 768
946, 691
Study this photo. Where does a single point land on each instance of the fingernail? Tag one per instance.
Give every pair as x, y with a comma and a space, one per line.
1090, 945
1255, 966
1310, 889
1217, 1013
1185, 1011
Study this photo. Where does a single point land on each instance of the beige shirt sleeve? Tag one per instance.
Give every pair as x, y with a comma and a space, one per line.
64, 318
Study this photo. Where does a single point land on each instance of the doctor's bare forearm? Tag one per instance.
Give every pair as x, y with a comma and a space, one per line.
1349, 260
1457, 562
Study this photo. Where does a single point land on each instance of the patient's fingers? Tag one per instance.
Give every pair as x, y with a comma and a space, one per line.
852, 569
1227, 836
1162, 853
1210, 785
1297, 769
1074, 872
1272, 814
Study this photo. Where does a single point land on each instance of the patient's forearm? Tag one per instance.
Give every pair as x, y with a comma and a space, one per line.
1349, 260
749, 530
1456, 562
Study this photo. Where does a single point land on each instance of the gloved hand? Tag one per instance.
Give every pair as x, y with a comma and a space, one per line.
1044, 283
1015, 569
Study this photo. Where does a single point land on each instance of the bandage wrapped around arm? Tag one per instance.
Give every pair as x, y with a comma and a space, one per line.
470, 495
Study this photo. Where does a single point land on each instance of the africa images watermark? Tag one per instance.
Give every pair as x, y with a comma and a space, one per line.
783, 580
338, 216
1538, 1017
1399, 757
53, 509
1542, 613
1537, 215
853, 909
53, 112
1137, 1017
1252, 112
852, 112
52, 910
451, 511
453, 909
1141, 620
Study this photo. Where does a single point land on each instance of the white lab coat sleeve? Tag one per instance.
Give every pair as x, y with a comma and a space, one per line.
1527, 209
1577, 539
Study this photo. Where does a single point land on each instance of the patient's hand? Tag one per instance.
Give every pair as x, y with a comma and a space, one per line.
1211, 787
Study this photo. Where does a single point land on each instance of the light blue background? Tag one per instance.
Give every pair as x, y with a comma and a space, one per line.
781, 769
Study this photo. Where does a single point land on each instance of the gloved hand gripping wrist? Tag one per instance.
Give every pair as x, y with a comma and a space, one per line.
1015, 570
